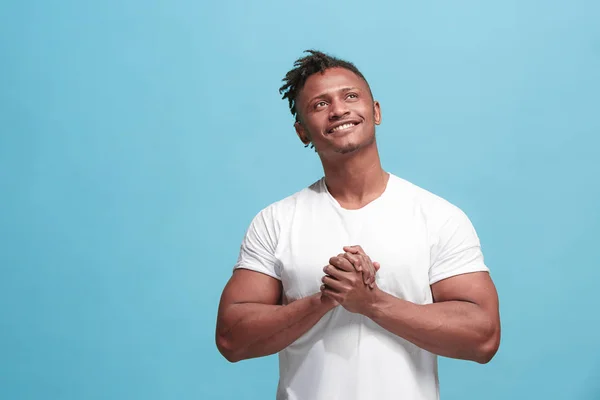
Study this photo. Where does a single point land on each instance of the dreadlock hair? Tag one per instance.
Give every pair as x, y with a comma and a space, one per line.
306, 66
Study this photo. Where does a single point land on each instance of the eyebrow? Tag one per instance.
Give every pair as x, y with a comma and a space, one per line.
343, 90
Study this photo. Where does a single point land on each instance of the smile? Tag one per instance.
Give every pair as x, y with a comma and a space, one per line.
343, 127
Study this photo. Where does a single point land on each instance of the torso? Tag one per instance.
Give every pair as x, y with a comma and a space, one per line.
347, 356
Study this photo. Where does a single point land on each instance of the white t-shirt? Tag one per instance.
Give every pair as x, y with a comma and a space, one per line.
416, 236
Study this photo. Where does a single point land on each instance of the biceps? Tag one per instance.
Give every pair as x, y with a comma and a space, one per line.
247, 294
476, 288
247, 286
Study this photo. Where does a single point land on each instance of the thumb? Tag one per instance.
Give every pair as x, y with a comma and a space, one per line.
376, 265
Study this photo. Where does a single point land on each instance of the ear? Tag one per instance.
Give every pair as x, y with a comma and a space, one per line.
302, 134
376, 112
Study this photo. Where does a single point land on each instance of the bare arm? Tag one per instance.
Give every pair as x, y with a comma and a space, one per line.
253, 323
463, 322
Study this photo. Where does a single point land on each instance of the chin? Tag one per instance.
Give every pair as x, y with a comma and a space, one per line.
353, 146
350, 148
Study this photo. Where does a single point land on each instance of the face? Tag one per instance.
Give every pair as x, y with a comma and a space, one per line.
336, 112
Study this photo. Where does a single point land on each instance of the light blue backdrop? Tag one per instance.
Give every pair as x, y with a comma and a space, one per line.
139, 138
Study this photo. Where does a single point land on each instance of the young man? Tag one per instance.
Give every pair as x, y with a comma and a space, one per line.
362, 279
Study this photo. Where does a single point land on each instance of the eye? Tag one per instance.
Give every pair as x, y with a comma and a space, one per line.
320, 104
352, 96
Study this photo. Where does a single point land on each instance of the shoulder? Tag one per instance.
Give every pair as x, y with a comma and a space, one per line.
445, 222
433, 208
281, 210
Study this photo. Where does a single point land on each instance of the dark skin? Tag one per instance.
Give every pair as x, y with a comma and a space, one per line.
333, 99
341, 275
252, 322
463, 322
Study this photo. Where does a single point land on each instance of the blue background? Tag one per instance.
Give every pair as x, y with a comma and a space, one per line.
139, 138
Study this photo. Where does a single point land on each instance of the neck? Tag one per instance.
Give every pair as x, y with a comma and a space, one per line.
355, 180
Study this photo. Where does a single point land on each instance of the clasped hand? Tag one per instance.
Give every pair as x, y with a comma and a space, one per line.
350, 279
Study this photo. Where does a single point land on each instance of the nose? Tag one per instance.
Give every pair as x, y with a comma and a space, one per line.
338, 109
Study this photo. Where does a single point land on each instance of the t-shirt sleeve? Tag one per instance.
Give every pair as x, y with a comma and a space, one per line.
257, 252
456, 249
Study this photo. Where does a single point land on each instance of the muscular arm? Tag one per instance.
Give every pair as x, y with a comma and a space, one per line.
253, 323
463, 322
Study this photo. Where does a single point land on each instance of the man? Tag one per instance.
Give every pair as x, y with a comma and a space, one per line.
362, 279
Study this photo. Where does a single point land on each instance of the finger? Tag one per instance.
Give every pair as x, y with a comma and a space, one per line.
376, 266
356, 249
335, 272
367, 277
341, 263
368, 271
331, 294
368, 274
361, 265
355, 260
370, 268
332, 283
351, 249
373, 281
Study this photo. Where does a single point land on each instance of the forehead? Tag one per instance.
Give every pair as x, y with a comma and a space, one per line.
331, 80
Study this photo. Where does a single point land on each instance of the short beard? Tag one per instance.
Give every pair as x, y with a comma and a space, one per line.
355, 147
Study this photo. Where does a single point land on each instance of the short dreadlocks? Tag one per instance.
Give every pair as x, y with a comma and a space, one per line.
306, 66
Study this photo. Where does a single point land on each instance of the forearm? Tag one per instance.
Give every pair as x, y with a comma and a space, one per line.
284, 337
254, 330
455, 329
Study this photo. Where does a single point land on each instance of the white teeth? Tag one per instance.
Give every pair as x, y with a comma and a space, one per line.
345, 126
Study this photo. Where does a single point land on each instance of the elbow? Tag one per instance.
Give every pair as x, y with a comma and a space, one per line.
486, 354
228, 349
488, 348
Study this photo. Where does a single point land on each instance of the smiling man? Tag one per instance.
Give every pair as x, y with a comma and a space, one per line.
362, 279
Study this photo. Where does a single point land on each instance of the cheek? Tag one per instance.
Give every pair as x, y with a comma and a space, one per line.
316, 126
369, 111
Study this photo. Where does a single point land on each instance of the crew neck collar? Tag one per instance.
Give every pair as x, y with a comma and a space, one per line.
366, 206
